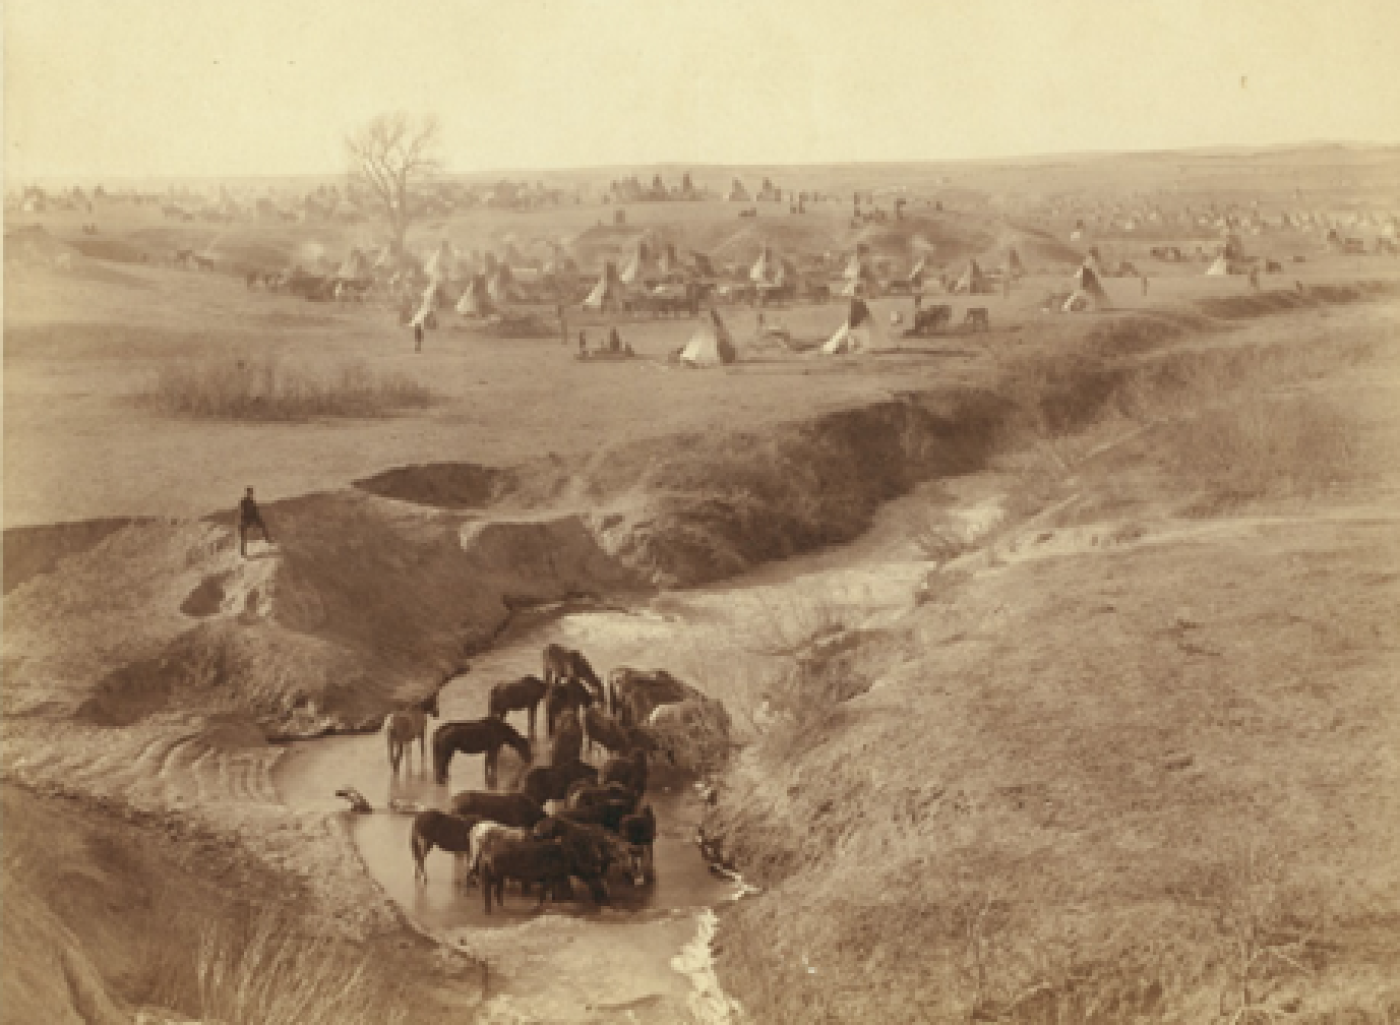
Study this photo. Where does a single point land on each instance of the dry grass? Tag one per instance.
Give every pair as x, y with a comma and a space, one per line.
261, 388
1263, 447
266, 974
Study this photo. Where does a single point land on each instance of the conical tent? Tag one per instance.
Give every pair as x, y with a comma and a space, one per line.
1220, 268
608, 293
710, 345
1088, 292
766, 269
476, 300
668, 264
737, 192
439, 265
502, 286
860, 276
972, 282
1014, 267
640, 268
859, 333
918, 273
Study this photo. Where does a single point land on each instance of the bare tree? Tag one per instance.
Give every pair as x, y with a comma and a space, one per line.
391, 155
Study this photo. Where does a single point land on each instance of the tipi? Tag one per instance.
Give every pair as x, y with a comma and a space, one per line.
859, 333
1014, 267
1088, 292
607, 294
710, 345
439, 265
1220, 268
502, 286
476, 299
737, 192
972, 282
766, 269
641, 268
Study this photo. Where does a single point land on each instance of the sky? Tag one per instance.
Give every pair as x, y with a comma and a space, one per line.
131, 88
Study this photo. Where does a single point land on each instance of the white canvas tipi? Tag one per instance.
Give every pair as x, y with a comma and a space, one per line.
859, 333
711, 345
608, 293
1088, 292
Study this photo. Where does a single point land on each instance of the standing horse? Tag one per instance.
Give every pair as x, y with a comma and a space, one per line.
522, 695
565, 663
433, 828
473, 737
402, 728
565, 695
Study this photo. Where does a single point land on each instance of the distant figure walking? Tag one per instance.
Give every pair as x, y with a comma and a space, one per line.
249, 517
614, 341
583, 343
1144, 284
417, 334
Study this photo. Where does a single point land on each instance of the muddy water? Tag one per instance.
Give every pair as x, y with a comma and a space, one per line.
646, 958
604, 964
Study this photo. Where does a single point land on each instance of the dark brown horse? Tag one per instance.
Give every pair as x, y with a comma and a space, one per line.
565, 695
473, 737
611, 735
631, 770
522, 695
507, 809
562, 663
551, 782
434, 828
567, 743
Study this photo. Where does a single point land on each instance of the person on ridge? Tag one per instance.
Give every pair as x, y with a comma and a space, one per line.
249, 517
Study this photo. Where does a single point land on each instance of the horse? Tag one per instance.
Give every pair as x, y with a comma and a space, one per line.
548, 862
476, 736
507, 809
551, 782
402, 728
638, 832
634, 693
567, 743
561, 662
631, 770
480, 833
522, 695
434, 828
564, 695
610, 734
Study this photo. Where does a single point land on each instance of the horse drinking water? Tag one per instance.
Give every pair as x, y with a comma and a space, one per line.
473, 737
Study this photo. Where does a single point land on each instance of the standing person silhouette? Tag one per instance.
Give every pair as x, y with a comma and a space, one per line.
249, 517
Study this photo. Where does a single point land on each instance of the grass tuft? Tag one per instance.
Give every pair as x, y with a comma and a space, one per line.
262, 389
266, 974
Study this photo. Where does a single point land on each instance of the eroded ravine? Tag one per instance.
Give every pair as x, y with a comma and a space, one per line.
646, 958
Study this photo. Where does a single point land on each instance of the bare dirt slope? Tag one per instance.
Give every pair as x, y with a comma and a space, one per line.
1129, 756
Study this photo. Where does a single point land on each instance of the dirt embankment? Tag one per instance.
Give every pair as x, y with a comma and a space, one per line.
1127, 757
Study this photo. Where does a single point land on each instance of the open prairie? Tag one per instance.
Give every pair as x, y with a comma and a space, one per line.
1040, 673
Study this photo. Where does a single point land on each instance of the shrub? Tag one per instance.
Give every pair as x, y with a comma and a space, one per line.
241, 388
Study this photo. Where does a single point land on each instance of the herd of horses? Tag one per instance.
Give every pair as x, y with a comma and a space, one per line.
598, 819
